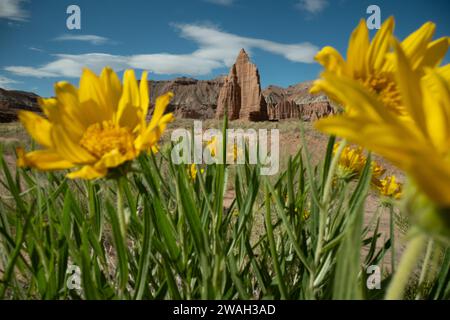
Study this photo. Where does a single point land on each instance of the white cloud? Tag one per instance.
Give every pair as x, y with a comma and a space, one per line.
5, 82
70, 66
12, 10
166, 63
36, 49
216, 49
312, 6
222, 46
93, 39
221, 2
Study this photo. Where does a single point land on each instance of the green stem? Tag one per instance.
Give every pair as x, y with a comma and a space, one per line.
392, 236
423, 273
120, 209
406, 266
123, 232
326, 201
273, 250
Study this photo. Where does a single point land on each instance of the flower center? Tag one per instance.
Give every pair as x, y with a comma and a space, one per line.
385, 87
101, 138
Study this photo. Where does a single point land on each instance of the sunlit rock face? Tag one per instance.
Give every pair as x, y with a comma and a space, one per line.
241, 93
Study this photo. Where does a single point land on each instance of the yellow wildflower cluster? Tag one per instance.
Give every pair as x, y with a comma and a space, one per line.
352, 162
389, 187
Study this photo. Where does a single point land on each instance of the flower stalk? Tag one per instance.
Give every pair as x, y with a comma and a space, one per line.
406, 266
326, 200
121, 209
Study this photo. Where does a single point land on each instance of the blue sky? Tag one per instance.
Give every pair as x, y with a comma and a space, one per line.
196, 38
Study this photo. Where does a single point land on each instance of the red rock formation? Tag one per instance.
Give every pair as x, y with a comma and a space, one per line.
316, 110
286, 109
308, 111
296, 102
241, 93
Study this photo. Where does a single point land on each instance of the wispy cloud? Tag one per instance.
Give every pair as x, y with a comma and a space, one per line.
216, 49
6, 82
312, 6
36, 49
92, 39
12, 10
221, 2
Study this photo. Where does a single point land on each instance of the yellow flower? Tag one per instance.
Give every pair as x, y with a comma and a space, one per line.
306, 214
212, 146
351, 162
377, 170
389, 187
193, 171
372, 64
96, 127
420, 146
235, 152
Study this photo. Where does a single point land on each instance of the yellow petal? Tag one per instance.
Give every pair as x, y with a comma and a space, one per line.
111, 87
42, 160
160, 107
433, 178
129, 104
332, 60
69, 112
92, 95
88, 173
38, 127
380, 45
69, 149
48, 106
445, 72
113, 159
416, 44
436, 91
435, 53
387, 140
354, 96
151, 135
144, 95
409, 86
357, 49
